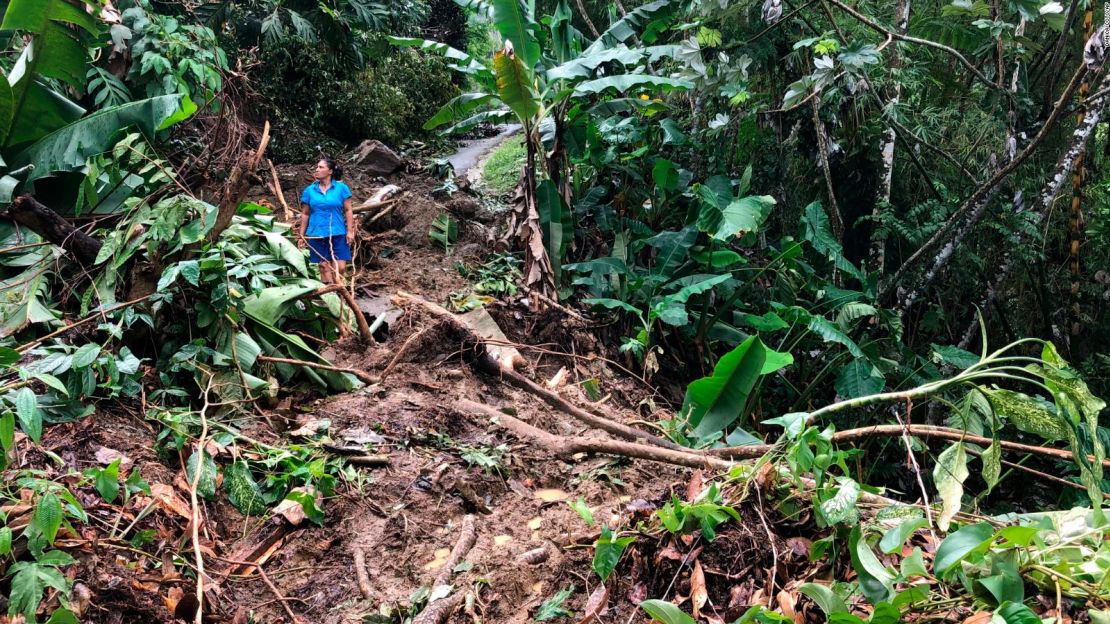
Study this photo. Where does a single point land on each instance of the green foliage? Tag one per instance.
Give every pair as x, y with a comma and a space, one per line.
501, 171
608, 550
169, 56
444, 231
706, 513
552, 608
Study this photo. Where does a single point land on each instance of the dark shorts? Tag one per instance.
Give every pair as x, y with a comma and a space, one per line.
331, 248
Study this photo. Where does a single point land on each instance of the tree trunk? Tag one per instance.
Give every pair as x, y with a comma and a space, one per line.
524, 224
50, 225
878, 242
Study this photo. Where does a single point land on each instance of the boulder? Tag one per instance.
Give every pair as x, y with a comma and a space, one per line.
375, 158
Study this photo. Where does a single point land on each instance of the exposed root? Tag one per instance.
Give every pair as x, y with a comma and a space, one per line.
360, 573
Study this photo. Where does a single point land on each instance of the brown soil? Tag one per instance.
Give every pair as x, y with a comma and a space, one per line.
403, 515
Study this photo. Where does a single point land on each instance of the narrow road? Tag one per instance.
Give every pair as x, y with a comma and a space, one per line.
470, 153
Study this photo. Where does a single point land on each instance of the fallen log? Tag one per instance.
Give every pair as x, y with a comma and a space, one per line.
382, 197
243, 177
27, 211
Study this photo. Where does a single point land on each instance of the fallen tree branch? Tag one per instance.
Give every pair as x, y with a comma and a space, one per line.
476, 348
349, 299
564, 446
404, 347
269, 583
363, 376
921, 431
863, 19
275, 188
238, 184
438, 611
194, 502
99, 314
27, 211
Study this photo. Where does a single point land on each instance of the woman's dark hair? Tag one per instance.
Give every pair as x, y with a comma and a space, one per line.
336, 168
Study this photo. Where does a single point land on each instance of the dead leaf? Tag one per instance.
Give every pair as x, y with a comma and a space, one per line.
501, 540
557, 380
105, 456
786, 601
799, 546
694, 485
312, 427
172, 597
982, 617
595, 605
535, 523
169, 500
638, 593
699, 595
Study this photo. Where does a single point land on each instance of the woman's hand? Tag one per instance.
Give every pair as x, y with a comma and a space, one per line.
350, 238
301, 242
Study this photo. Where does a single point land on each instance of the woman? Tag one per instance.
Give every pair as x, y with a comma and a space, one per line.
327, 221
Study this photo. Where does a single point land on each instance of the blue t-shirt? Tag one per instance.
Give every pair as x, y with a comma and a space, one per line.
325, 217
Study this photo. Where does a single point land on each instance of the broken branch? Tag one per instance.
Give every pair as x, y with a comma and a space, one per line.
363, 376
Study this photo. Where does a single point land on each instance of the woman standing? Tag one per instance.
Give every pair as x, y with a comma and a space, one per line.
327, 221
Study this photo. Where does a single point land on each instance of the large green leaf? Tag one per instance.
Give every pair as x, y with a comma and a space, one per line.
738, 217
1030, 414
623, 82
459, 108
22, 297
957, 546
949, 475
38, 111
666, 612
859, 378
463, 62
514, 86
60, 30
68, 148
715, 402
513, 19
268, 305
671, 309
819, 233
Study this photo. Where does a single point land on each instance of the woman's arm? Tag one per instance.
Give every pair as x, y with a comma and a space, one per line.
349, 213
302, 223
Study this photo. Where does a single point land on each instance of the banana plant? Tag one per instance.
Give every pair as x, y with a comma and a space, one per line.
533, 80
43, 132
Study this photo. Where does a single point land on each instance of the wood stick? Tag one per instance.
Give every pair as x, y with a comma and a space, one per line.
404, 347
360, 573
269, 583
468, 536
439, 610
349, 299
363, 376
369, 460
275, 188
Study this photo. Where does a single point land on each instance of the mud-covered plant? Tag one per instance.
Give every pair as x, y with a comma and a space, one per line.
705, 513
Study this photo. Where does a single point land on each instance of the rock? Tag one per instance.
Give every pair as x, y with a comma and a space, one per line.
375, 158
463, 206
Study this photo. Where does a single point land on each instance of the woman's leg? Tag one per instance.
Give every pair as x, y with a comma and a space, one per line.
326, 272
340, 269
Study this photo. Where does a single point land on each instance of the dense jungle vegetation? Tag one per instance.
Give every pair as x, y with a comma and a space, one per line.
815, 295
